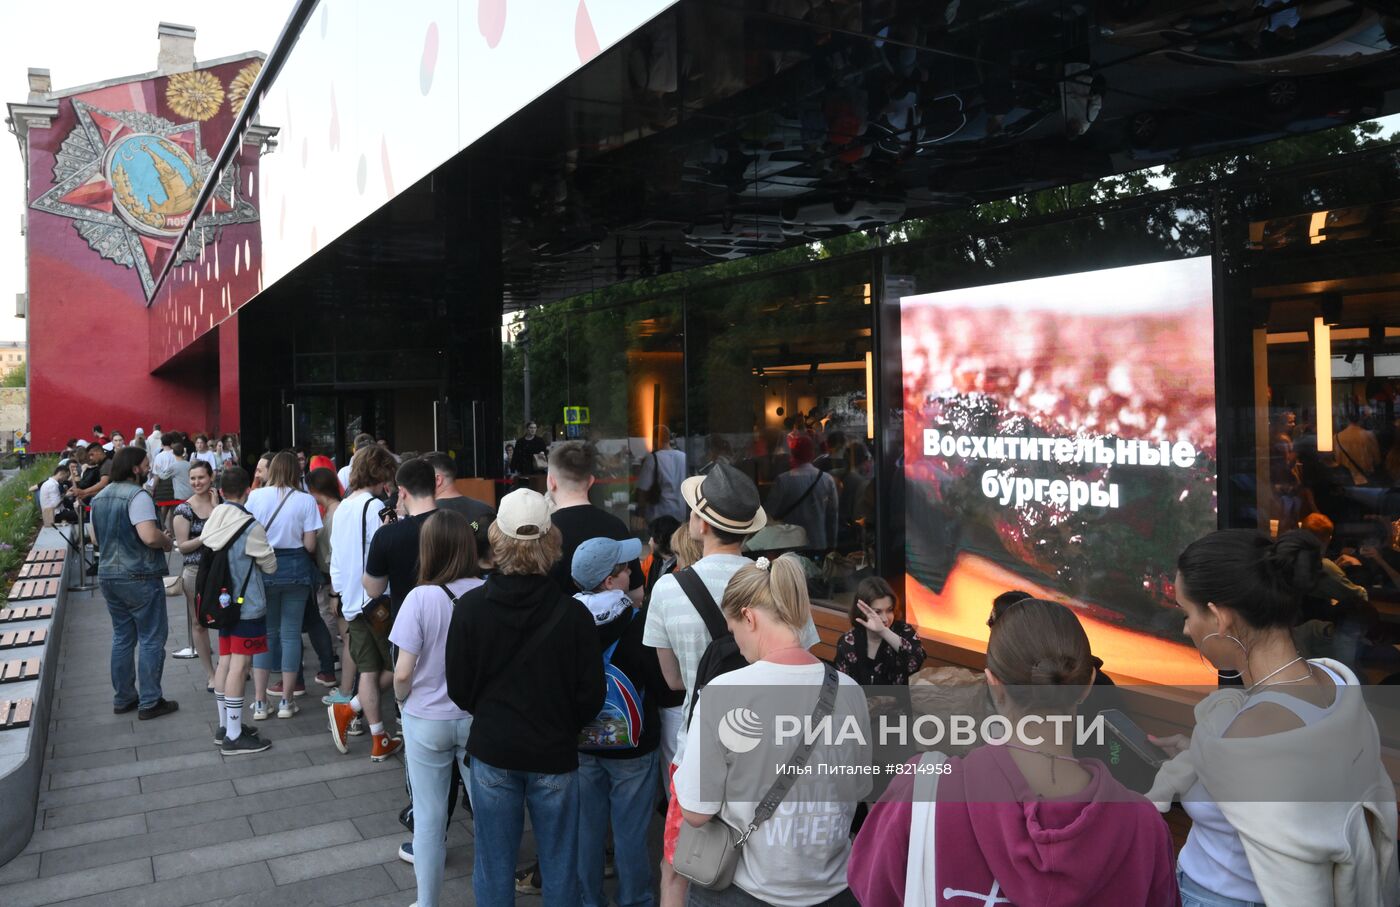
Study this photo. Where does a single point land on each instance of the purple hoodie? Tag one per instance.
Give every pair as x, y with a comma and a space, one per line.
1105, 847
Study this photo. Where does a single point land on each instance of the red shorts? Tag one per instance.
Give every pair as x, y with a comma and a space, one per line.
671, 833
247, 637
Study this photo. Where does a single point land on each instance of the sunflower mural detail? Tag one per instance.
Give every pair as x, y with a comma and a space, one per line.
195, 95
241, 84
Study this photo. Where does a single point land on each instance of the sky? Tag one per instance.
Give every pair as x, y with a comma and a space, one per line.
83, 41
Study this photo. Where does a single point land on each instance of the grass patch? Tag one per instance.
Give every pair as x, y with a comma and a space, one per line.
19, 519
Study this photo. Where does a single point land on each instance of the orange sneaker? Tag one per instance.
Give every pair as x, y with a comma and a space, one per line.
384, 747
340, 716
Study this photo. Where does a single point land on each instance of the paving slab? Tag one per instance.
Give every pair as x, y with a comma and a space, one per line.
149, 813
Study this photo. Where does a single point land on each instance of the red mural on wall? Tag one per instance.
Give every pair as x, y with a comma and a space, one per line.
113, 180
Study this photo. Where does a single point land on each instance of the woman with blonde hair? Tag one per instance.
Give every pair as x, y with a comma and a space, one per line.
686, 547
522, 658
291, 519
766, 607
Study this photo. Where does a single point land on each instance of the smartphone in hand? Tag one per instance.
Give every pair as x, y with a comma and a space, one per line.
1129, 734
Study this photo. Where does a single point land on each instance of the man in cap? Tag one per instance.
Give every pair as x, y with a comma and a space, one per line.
724, 510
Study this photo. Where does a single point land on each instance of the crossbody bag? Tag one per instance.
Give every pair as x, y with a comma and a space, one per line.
378, 612
709, 854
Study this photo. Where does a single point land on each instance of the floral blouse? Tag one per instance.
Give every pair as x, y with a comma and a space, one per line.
890, 666
196, 527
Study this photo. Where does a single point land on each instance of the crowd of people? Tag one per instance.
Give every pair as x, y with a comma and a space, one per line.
537, 658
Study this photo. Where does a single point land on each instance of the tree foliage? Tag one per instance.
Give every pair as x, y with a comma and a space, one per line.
16, 377
578, 347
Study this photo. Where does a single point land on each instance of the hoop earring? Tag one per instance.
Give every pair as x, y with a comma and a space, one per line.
1238, 674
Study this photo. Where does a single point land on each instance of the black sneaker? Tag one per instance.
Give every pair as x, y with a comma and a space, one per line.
527, 881
220, 734
161, 708
123, 709
246, 743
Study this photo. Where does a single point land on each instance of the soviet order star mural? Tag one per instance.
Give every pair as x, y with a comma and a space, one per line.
114, 173
129, 181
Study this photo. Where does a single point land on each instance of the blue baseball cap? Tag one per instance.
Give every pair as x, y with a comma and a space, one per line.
595, 559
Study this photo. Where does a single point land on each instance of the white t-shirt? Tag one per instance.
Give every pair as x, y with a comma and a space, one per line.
357, 514
344, 476
207, 456
673, 623
421, 628
299, 515
50, 494
163, 464
798, 857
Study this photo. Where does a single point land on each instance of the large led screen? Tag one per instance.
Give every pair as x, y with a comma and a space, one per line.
1060, 438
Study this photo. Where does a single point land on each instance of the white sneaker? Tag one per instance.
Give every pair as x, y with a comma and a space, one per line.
260, 711
287, 708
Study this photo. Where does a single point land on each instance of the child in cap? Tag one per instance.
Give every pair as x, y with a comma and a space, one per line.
618, 772
600, 570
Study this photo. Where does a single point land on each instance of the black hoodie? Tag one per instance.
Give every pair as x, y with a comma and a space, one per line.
530, 719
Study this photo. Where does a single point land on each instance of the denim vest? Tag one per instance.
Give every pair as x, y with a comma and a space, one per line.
124, 555
241, 567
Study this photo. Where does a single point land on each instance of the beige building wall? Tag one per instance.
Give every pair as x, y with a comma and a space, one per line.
11, 358
14, 413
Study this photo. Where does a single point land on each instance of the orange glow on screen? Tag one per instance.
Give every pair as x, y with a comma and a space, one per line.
959, 616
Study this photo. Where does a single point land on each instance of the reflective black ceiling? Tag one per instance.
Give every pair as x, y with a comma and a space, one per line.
728, 128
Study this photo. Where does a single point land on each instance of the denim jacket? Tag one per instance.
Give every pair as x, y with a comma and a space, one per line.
124, 555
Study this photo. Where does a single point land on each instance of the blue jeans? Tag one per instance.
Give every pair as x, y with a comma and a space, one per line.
499, 797
138, 613
431, 747
285, 606
625, 791
320, 637
1196, 895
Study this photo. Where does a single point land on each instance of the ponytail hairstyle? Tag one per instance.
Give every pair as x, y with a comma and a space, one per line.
1039, 652
778, 587
1262, 581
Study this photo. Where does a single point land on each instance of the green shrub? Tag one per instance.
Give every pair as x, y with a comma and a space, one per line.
19, 515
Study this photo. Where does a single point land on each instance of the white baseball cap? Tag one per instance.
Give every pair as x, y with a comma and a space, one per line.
523, 515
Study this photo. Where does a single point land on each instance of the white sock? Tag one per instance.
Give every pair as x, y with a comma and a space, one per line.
234, 705
223, 709
376, 729
355, 704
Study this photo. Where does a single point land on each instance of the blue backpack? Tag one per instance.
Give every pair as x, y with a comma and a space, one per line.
618, 725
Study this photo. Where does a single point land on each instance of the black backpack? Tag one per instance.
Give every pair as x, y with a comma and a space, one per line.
722, 654
213, 578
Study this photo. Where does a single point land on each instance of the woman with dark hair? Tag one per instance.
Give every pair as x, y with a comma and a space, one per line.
1295, 727
435, 730
880, 648
1023, 821
323, 485
291, 519
188, 522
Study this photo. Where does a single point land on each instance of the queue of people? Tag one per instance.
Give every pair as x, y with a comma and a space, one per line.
524, 657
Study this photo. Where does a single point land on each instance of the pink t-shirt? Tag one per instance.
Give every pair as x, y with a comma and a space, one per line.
421, 628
